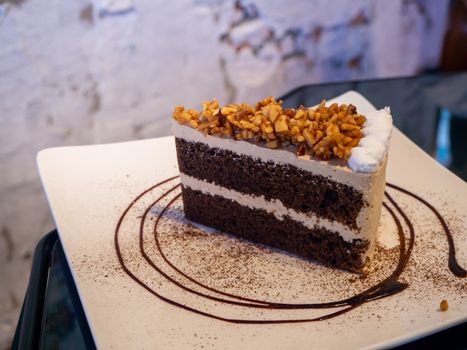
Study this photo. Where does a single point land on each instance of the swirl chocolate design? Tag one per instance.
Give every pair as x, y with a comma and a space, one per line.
387, 287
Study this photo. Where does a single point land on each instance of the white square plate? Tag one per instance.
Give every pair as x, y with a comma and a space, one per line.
89, 188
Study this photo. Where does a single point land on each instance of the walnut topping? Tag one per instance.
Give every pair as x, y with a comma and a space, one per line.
324, 132
443, 305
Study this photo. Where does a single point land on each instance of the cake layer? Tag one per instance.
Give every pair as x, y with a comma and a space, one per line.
287, 234
300, 190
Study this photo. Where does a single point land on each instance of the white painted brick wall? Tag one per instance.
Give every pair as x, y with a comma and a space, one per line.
91, 71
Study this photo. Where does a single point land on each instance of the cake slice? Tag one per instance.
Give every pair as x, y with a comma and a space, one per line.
309, 181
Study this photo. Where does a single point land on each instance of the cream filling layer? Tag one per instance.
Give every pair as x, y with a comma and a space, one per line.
275, 207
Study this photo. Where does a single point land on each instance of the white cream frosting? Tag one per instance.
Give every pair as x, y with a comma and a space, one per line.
373, 147
274, 206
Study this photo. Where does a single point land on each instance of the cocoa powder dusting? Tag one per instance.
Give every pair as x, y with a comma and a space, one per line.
170, 252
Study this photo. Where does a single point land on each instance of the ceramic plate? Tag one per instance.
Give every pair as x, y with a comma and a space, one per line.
175, 286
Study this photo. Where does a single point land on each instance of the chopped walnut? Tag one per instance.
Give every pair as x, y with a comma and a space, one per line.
324, 132
443, 305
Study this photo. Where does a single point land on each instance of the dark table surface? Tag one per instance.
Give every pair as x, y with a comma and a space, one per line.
52, 316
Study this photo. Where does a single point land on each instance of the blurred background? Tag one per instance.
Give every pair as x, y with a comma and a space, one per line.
93, 71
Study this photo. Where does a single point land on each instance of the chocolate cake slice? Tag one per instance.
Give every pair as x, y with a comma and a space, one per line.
309, 181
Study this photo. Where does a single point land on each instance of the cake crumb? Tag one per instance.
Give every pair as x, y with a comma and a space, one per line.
443, 305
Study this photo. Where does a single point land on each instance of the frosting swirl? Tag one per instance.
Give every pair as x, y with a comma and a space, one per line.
373, 146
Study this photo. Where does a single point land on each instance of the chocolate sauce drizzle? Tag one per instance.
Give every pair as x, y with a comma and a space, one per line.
385, 288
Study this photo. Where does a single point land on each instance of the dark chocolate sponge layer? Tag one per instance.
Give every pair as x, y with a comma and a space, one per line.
295, 188
259, 226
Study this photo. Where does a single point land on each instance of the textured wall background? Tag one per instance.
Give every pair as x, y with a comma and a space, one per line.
91, 71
